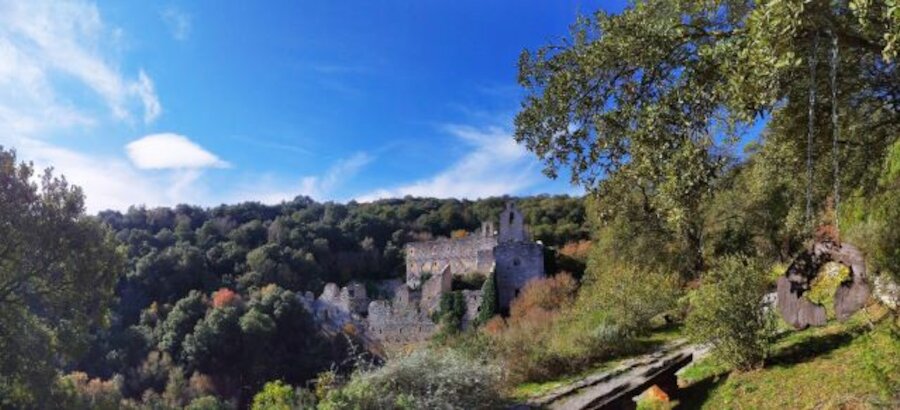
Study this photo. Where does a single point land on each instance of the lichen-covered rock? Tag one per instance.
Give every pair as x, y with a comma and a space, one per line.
850, 296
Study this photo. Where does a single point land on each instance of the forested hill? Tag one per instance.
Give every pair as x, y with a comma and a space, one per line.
208, 291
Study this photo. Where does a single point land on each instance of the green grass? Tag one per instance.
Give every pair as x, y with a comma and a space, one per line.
833, 366
526, 391
658, 337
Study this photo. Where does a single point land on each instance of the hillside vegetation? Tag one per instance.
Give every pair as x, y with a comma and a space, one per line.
689, 219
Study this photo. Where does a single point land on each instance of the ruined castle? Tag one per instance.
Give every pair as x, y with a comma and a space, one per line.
403, 315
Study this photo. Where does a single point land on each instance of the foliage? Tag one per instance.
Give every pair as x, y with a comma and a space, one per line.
450, 312
489, 303
276, 395
471, 281
875, 221
728, 313
58, 269
423, 380
550, 293
214, 289
547, 335
644, 106
225, 297
629, 297
208, 403
78, 391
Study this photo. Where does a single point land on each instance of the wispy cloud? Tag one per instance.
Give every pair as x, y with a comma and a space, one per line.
43, 40
47, 43
495, 165
178, 22
274, 145
268, 189
171, 151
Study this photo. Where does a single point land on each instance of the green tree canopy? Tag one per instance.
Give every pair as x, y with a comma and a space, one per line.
58, 268
651, 101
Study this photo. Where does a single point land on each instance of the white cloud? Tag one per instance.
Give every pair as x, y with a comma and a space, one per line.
170, 151
267, 189
108, 182
496, 165
43, 41
178, 22
145, 90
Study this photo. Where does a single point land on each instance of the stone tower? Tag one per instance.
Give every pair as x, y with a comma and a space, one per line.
512, 224
518, 260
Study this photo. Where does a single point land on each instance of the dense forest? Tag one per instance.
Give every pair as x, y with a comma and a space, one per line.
207, 297
686, 227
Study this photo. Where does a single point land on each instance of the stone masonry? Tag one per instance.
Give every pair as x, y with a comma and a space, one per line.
509, 255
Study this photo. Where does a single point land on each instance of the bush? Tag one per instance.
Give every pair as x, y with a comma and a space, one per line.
629, 297
551, 293
450, 313
728, 312
488, 302
208, 403
426, 379
276, 395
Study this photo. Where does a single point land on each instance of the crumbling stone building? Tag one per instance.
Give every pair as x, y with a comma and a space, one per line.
507, 254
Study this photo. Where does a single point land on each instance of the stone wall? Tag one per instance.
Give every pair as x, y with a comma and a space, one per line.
512, 225
399, 322
433, 288
517, 264
473, 299
473, 253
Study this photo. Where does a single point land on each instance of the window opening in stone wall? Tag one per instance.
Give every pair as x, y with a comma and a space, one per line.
511, 217
516, 262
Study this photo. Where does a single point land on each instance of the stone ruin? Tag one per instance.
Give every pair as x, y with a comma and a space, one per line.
405, 317
850, 296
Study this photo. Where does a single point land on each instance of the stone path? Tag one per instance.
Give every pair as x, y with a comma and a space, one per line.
603, 389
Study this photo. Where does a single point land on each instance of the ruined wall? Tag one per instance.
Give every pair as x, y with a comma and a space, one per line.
517, 263
354, 299
433, 288
473, 253
399, 322
337, 306
473, 299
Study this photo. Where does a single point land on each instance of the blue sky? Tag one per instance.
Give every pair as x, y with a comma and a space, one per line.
160, 103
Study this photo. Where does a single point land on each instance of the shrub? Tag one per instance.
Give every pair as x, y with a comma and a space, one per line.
629, 297
276, 395
426, 379
450, 312
728, 312
552, 293
208, 403
489, 300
